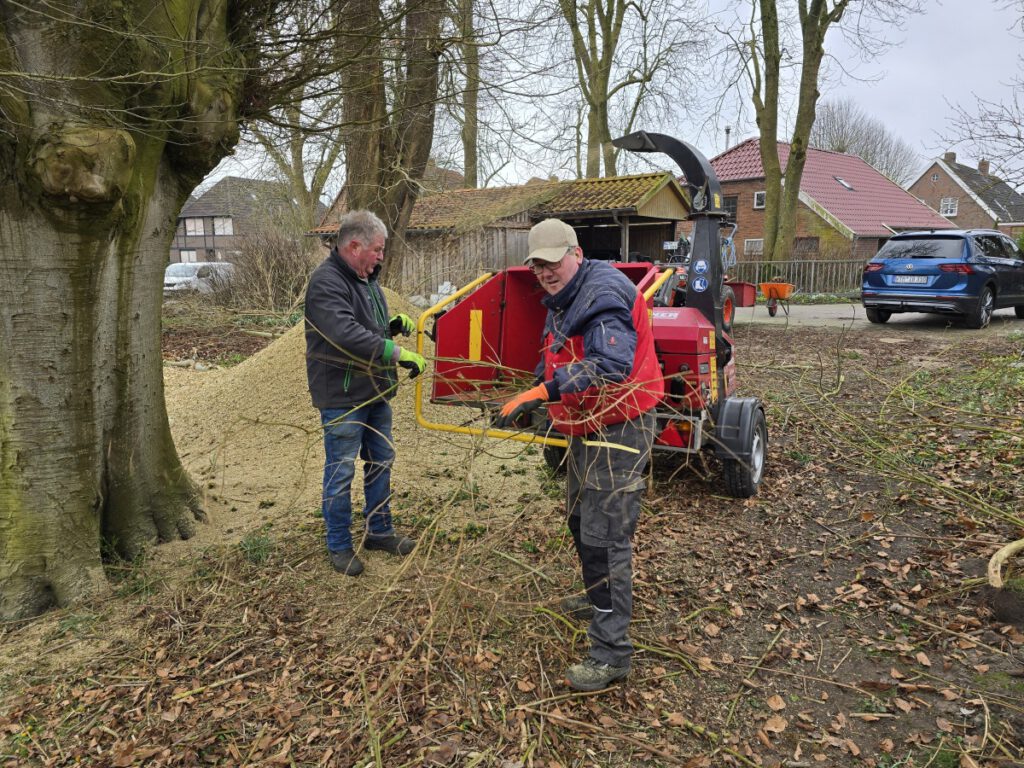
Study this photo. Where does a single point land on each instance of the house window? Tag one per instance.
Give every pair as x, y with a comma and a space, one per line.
935, 177
949, 206
222, 225
194, 227
759, 198
805, 247
187, 257
753, 247
729, 205
844, 183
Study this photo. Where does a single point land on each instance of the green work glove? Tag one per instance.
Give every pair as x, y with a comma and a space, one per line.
413, 361
401, 324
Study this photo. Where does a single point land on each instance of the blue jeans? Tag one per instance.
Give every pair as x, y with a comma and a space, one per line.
351, 433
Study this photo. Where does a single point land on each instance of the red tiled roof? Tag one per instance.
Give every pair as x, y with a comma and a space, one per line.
871, 207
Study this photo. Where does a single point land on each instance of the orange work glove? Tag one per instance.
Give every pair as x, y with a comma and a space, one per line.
521, 404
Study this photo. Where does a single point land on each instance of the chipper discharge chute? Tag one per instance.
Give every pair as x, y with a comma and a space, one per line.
488, 335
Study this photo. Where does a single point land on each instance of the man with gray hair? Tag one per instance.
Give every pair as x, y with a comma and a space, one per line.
350, 365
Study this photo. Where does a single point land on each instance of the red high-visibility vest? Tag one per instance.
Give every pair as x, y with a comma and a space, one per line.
585, 412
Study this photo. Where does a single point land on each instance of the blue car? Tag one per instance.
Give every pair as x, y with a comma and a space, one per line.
964, 272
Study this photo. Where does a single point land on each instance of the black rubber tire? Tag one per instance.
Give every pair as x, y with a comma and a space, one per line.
554, 457
773, 307
981, 315
876, 315
742, 478
1019, 311
728, 308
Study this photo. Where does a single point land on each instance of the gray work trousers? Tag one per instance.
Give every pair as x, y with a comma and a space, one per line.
605, 483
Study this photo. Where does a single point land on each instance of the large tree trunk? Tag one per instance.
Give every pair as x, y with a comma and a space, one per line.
389, 143
766, 106
94, 172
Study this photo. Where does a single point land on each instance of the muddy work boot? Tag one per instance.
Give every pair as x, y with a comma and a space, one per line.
577, 607
593, 675
345, 561
394, 543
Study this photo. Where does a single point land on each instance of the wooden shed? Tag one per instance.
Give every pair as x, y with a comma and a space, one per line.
453, 236
625, 218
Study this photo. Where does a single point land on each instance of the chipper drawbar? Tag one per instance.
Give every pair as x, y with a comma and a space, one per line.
487, 343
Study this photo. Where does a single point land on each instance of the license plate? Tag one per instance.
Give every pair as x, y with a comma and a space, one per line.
910, 279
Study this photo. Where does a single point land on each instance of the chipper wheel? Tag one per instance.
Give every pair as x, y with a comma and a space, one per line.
743, 476
728, 308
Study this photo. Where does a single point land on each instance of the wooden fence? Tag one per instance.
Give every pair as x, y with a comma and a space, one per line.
810, 276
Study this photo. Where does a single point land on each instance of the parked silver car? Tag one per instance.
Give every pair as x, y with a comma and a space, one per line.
197, 277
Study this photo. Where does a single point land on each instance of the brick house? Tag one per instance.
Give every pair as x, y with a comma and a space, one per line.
213, 226
847, 208
970, 197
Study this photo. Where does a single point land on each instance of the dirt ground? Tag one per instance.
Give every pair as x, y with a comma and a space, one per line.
839, 618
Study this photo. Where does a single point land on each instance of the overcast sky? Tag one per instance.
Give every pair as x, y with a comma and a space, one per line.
956, 50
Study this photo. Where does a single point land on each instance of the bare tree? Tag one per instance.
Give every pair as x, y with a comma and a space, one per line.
995, 129
390, 87
622, 52
303, 137
842, 126
765, 57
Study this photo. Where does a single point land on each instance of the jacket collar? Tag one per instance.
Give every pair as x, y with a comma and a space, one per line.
564, 297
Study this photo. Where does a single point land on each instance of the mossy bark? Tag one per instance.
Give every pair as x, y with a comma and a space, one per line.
118, 113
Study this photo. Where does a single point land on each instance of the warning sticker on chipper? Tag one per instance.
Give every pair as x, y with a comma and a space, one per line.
666, 314
700, 284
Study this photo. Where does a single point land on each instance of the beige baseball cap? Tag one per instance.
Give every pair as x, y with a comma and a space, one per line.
550, 240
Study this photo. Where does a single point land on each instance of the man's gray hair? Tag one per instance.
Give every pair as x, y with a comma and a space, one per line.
363, 226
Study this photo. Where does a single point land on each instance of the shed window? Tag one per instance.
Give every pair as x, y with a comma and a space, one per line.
194, 227
949, 206
753, 247
759, 199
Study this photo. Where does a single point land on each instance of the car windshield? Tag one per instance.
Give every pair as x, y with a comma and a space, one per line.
923, 248
181, 270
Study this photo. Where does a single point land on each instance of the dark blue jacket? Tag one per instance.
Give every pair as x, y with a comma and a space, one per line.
597, 304
348, 344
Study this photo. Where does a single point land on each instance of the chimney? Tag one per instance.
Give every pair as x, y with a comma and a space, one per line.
983, 167
949, 157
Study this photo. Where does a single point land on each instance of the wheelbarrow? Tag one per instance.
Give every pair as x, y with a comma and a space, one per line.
777, 295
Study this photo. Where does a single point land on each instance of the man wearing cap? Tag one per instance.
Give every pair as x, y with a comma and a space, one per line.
350, 365
601, 380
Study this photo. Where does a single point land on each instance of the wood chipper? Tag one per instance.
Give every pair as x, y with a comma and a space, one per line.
487, 339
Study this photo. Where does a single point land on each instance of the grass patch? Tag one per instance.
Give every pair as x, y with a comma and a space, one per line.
257, 546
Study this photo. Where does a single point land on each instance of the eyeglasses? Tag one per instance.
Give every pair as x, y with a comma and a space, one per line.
549, 266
